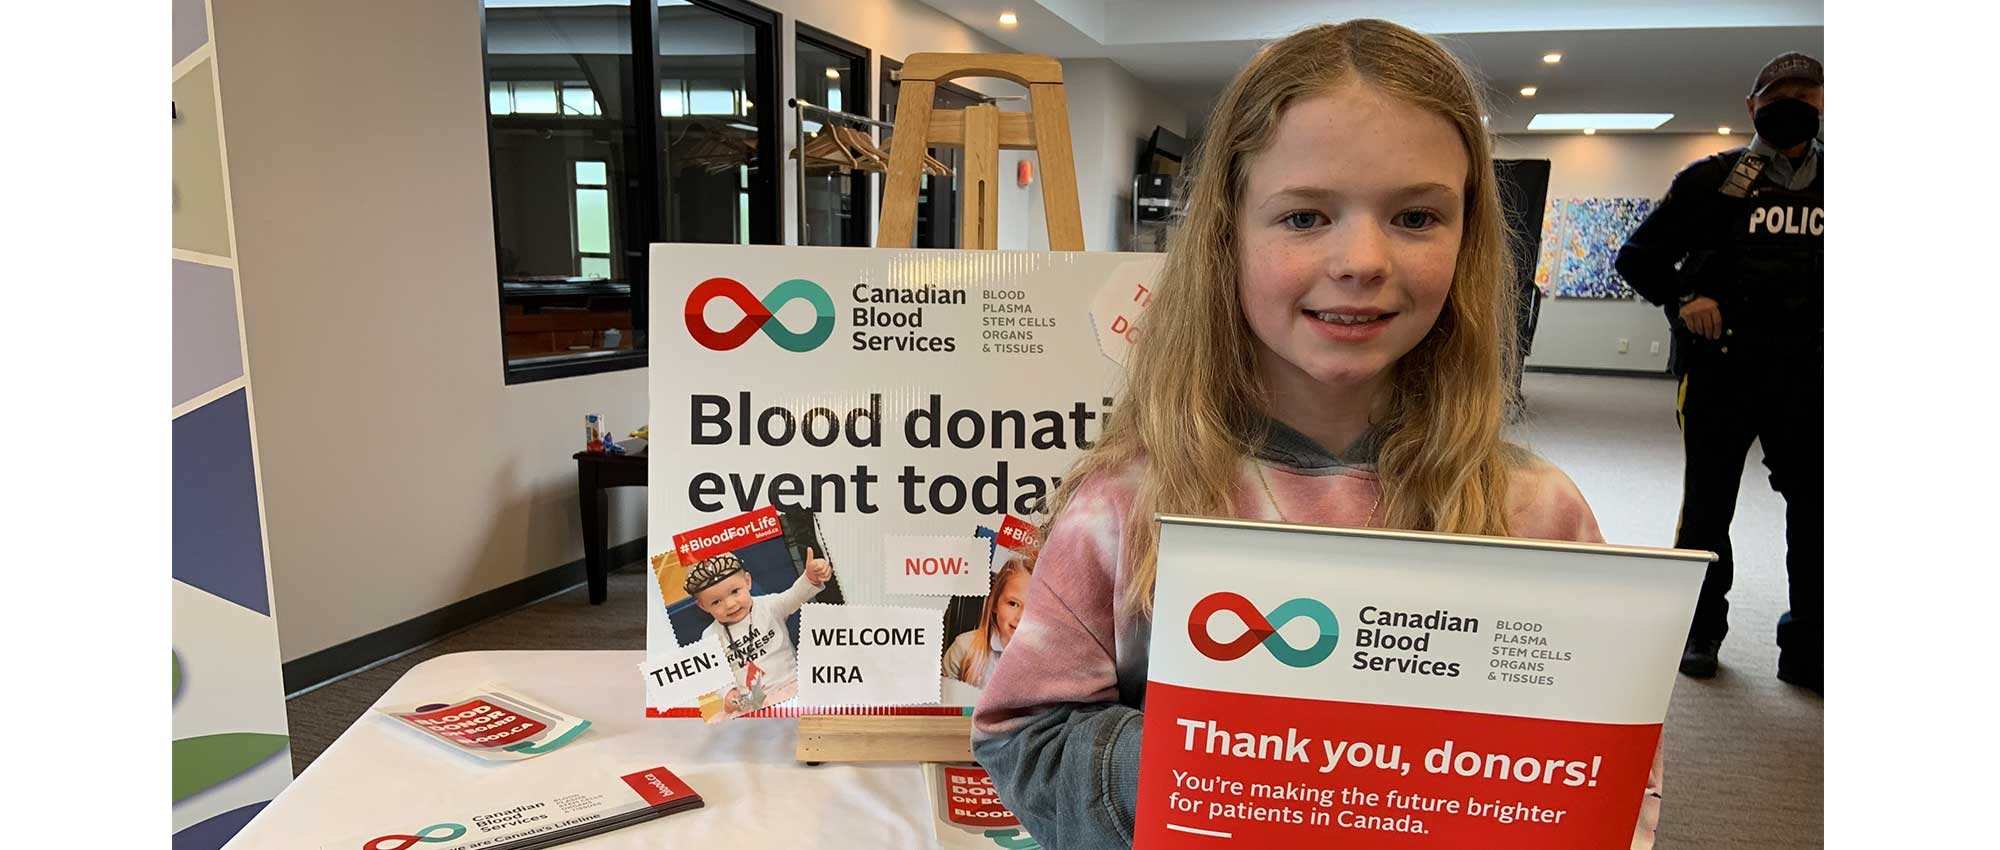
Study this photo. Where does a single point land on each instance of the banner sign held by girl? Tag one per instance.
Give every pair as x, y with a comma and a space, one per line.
1404, 690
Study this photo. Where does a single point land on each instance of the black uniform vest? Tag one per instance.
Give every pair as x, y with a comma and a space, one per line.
1769, 264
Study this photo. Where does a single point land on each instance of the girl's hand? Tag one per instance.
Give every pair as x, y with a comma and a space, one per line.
818, 570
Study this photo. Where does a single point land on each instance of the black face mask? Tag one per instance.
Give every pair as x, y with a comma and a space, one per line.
1788, 122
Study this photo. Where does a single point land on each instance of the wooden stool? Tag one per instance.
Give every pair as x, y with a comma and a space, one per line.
983, 131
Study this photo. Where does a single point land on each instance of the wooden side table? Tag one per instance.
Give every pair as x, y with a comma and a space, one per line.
596, 473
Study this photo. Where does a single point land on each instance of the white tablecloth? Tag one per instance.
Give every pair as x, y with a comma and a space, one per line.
380, 778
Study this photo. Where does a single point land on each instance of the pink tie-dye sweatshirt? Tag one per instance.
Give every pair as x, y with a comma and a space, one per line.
1058, 724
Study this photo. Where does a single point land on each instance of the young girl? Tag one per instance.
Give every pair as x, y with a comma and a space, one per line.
972, 656
1329, 343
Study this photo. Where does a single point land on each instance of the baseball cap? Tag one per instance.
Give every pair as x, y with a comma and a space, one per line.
1789, 66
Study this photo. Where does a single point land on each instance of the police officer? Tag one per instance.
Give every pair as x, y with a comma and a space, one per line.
1733, 252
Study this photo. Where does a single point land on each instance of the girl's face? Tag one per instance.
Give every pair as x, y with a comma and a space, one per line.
1007, 613
1348, 227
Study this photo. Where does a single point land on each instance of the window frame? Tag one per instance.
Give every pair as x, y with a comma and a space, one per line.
638, 202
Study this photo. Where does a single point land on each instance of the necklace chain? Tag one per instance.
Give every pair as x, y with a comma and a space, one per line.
1281, 511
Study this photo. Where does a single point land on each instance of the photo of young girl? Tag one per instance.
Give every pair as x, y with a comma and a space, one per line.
1330, 342
971, 655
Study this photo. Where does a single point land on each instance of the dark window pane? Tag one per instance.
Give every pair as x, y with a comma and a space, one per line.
836, 200
558, 153
708, 68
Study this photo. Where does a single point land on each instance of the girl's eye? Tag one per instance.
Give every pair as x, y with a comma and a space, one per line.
1417, 219
1303, 219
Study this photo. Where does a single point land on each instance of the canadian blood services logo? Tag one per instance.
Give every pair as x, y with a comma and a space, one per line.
1260, 631
450, 832
759, 315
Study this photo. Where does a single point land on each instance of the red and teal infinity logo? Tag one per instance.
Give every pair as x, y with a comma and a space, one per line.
759, 315
452, 832
1260, 631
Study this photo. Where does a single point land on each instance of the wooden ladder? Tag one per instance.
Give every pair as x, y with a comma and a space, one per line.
982, 131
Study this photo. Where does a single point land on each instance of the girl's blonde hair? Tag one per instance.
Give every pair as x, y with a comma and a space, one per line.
974, 669
1193, 407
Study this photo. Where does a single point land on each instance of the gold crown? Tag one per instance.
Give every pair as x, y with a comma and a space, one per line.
711, 571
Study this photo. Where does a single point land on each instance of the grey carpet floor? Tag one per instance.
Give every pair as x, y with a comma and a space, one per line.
1743, 750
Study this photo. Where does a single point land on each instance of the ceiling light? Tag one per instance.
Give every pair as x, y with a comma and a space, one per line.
1552, 58
1007, 19
1527, 91
1599, 120
1722, 130
833, 73
1590, 131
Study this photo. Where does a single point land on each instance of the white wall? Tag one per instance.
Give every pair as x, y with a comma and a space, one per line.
1112, 115
400, 473
1584, 333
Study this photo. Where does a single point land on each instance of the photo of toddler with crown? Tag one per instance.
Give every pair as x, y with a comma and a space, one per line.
751, 629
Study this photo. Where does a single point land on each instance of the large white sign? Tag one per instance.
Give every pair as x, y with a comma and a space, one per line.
891, 393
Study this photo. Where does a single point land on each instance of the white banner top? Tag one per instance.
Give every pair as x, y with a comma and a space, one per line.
1425, 620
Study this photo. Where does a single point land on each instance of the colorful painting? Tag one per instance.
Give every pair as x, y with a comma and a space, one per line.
1580, 241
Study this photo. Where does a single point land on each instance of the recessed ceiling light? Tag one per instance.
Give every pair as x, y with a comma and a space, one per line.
1552, 58
833, 73
1007, 19
1722, 130
1599, 120
1590, 131
1528, 91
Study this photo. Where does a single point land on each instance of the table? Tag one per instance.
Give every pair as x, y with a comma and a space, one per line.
596, 473
380, 776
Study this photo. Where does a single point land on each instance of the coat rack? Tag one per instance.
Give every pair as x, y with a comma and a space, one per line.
841, 148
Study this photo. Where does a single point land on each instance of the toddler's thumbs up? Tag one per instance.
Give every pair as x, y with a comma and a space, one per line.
817, 569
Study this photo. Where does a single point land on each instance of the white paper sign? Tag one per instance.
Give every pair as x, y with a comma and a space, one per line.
678, 678
935, 565
869, 655
1115, 309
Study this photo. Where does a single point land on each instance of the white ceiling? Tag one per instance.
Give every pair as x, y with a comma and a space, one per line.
1695, 58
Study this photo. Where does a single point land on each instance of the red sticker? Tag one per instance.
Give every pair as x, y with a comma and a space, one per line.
970, 799
728, 535
1017, 534
478, 723
657, 785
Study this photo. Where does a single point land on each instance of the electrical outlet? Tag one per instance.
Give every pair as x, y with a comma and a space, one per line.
1624, 345
1656, 346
